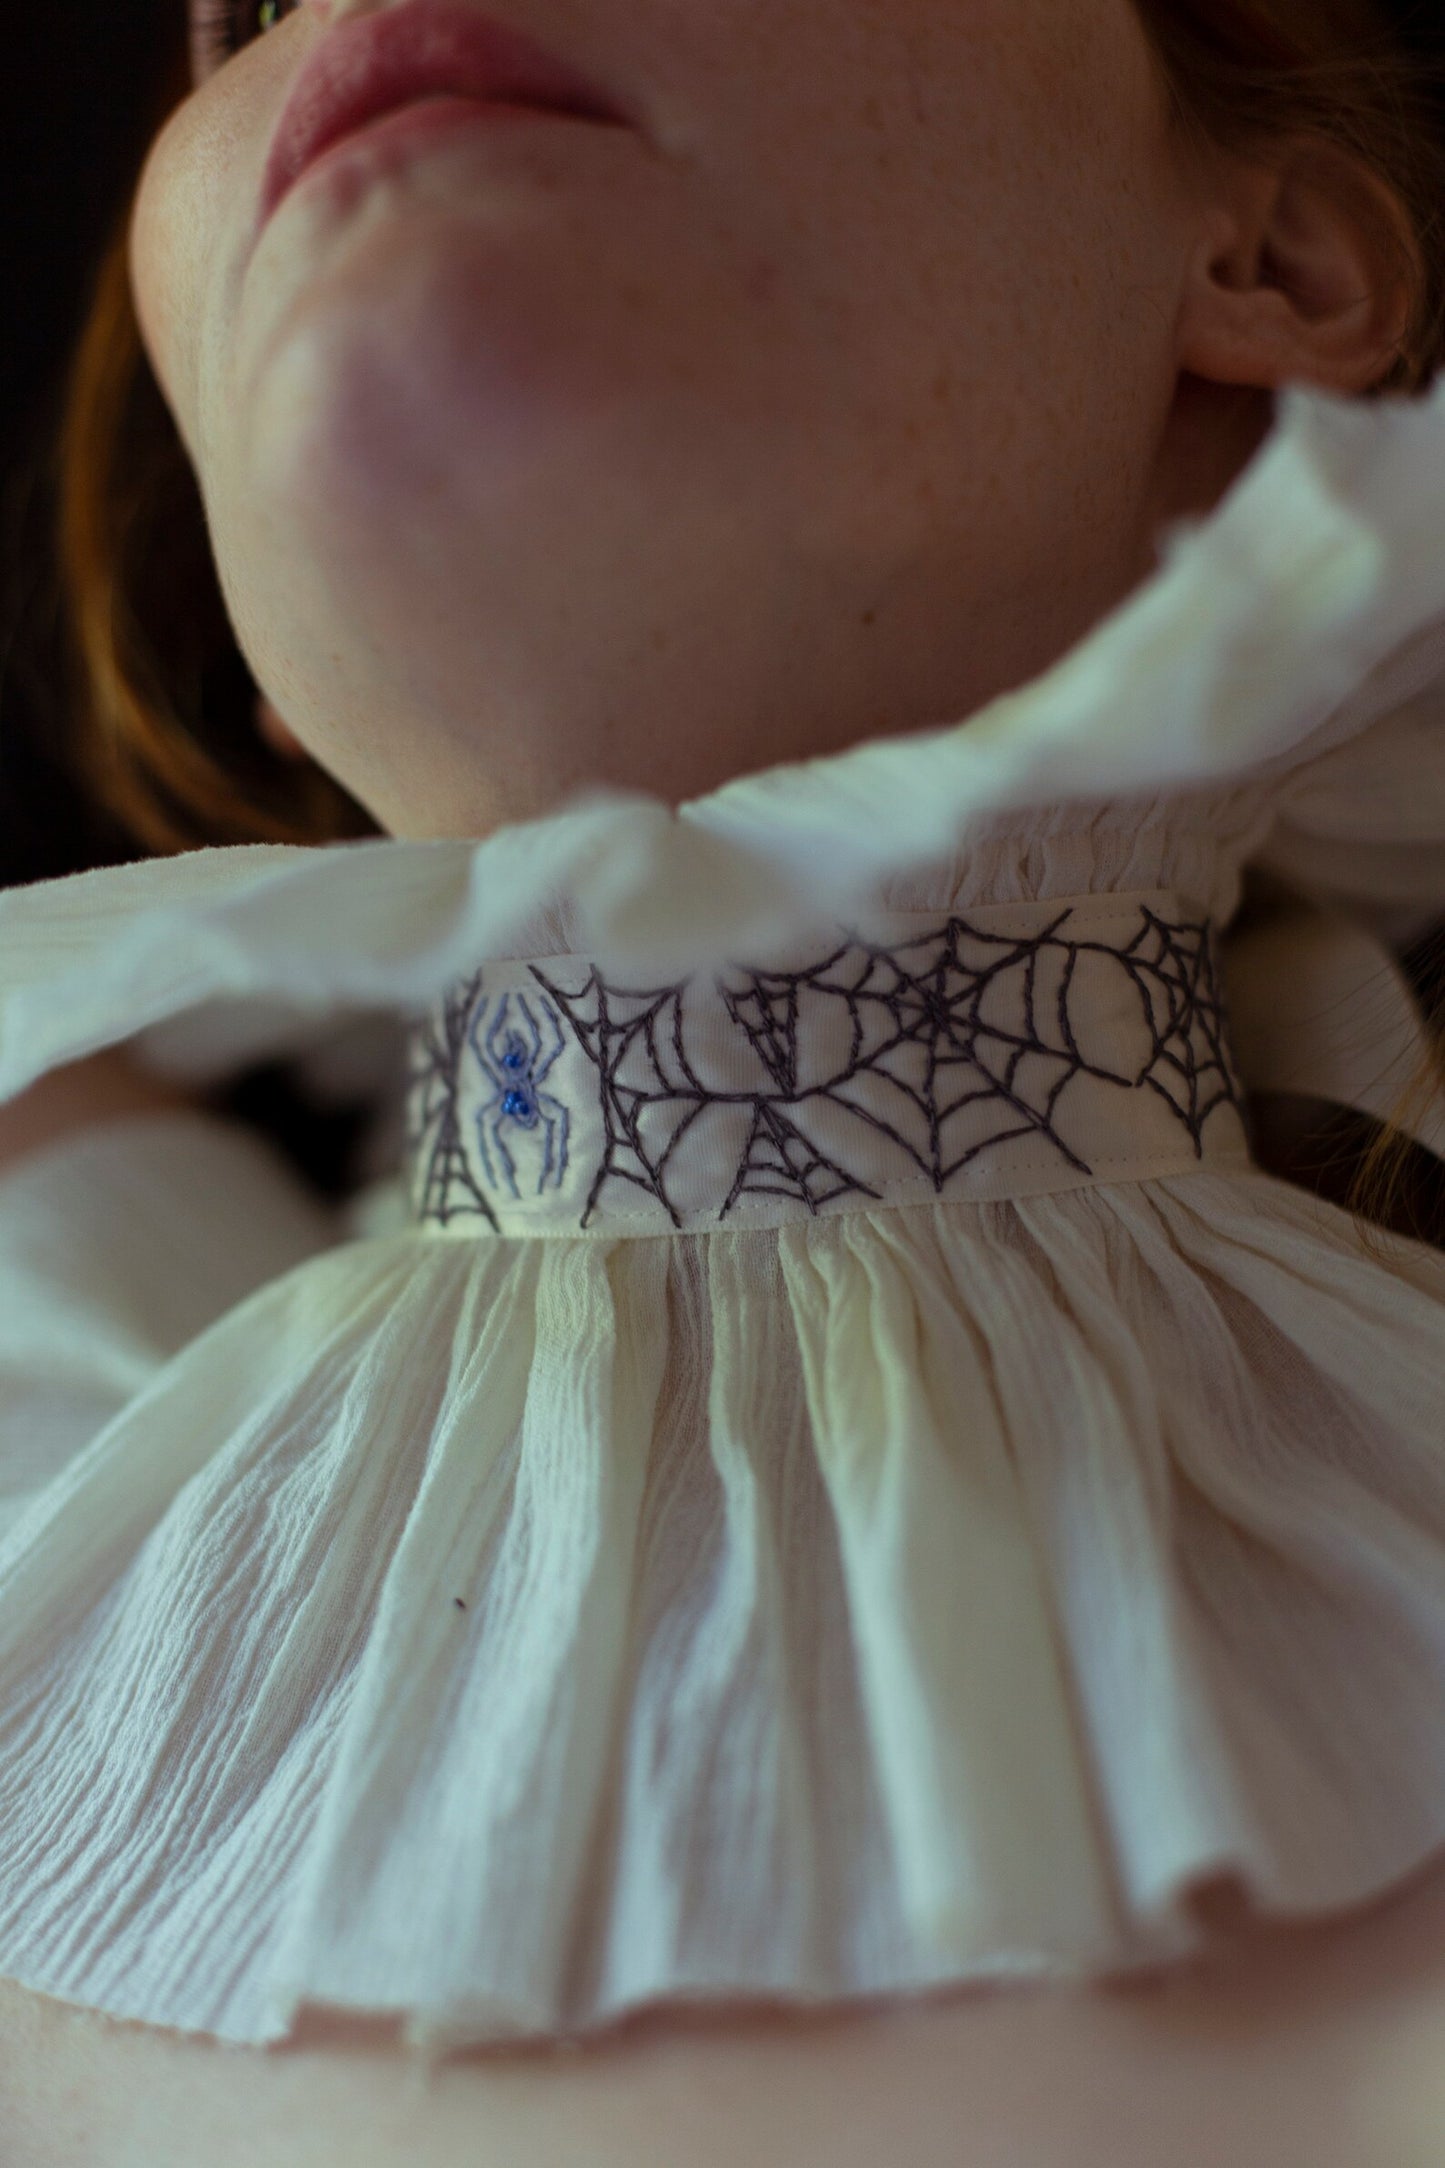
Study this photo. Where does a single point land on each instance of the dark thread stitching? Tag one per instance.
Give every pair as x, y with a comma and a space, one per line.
607, 1040
933, 1007
1190, 981
433, 1116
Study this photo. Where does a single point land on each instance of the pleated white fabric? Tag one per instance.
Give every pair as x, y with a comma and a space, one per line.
932, 1595
504, 1629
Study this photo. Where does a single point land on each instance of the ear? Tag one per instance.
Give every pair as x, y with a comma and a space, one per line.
1304, 274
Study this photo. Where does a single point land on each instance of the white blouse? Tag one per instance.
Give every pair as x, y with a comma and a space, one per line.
820, 1467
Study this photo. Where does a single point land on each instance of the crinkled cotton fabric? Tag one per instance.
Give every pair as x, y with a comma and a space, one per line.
504, 1621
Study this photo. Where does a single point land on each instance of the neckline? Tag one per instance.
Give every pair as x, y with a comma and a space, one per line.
926, 1058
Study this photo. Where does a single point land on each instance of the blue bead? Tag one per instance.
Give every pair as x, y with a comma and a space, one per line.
516, 1104
515, 1060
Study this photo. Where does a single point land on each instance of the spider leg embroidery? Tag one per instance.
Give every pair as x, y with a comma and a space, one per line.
949, 1046
445, 1186
514, 1061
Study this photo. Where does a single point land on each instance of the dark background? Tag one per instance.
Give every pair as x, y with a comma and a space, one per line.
81, 98
79, 102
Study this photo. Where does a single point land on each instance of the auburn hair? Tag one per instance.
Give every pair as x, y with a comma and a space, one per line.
159, 701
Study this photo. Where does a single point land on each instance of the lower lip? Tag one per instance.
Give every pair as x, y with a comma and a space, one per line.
427, 119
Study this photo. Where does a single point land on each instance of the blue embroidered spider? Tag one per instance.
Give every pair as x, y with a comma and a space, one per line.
515, 1064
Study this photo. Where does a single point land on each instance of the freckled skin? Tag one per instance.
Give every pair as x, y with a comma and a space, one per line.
842, 398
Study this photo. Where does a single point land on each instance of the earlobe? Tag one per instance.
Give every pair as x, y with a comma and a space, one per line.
1306, 275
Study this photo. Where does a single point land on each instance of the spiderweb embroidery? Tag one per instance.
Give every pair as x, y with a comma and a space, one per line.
1176, 969
615, 1029
444, 1187
919, 1024
951, 1045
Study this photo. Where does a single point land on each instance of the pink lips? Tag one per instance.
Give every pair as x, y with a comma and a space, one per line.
376, 63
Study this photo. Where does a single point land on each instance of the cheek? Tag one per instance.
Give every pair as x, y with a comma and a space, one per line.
978, 175
183, 222
154, 263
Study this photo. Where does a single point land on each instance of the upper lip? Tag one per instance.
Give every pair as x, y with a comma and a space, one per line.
419, 49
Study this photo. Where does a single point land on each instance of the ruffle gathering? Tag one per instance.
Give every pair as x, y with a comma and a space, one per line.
926, 1596
503, 1634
